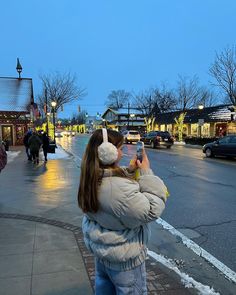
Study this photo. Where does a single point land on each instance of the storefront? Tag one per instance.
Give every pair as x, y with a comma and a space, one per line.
208, 122
13, 128
17, 109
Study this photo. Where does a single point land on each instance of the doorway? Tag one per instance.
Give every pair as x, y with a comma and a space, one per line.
7, 134
221, 129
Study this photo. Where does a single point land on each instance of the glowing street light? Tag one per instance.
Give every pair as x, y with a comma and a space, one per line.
53, 104
200, 121
132, 117
201, 107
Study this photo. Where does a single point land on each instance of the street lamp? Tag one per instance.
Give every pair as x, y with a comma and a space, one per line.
200, 121
132, 116
104, 123
53, 104
201, 107
19, 67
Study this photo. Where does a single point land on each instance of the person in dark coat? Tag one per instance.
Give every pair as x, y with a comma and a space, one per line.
26, 144
34, 146
45, 141
3, 156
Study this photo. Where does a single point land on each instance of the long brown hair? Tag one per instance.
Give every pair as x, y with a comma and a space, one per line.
90, 176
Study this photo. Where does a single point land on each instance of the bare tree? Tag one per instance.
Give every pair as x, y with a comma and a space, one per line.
61, 88
206, 97
187, 92
155, 101
118, 99
223, 70
81, 117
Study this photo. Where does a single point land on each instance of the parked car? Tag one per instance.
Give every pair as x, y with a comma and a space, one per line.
131, 136
225, 146
158, 138
58, 133
69, 133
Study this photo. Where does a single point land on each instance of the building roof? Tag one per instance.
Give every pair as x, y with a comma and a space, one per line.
123, 111
219, 113
15, 94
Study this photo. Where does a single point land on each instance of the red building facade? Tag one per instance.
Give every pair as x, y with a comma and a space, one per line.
17, 108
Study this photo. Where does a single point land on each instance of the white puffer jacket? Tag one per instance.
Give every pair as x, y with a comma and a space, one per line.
118, 233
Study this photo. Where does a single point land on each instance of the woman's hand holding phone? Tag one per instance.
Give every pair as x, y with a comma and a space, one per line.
145, 162
140, 160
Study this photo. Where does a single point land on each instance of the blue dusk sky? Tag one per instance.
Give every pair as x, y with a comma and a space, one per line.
111, 45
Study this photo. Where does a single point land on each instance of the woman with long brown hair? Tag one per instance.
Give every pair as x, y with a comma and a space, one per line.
117, 211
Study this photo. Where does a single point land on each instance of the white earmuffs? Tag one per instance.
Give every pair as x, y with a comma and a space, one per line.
107, 152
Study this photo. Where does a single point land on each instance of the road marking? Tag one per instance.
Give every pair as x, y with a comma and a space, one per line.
228, 273
186, 280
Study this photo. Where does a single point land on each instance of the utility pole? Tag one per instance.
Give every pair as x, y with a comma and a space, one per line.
128, 114
46, 109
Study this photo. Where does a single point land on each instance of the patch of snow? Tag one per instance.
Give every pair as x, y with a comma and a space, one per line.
11, 155
186, 280
179, 143
59, 154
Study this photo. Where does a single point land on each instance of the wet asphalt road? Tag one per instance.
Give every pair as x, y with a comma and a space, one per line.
202, 202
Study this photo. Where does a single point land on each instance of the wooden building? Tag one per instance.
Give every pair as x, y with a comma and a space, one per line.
206, 122
124, 118
17, 108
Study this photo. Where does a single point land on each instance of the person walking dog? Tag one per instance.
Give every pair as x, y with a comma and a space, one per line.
117, 212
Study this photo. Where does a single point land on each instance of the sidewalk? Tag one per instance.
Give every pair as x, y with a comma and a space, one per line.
41, 245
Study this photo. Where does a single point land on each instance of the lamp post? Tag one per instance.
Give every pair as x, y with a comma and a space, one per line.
46, 110
132, 117
19, 67
53, 104
104, 123
200, 121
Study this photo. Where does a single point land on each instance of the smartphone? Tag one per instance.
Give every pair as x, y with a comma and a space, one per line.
139, 150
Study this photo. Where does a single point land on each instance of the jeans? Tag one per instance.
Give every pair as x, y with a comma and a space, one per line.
45, 153
112, 282
27, 150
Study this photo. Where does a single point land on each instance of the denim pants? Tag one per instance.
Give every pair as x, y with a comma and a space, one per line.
112, 282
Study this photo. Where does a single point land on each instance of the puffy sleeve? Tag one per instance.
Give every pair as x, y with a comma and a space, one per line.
143, 202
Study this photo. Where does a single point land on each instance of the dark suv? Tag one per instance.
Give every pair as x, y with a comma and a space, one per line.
158, 138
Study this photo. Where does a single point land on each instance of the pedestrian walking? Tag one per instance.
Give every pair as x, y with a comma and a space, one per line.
117, 212
45, 146
3, 156
34, 146
26, 144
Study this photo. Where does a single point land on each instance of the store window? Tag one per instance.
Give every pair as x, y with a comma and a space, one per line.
19, 134
206, 130
7, 134
169, 128
163, 128
185, 131
194, 129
